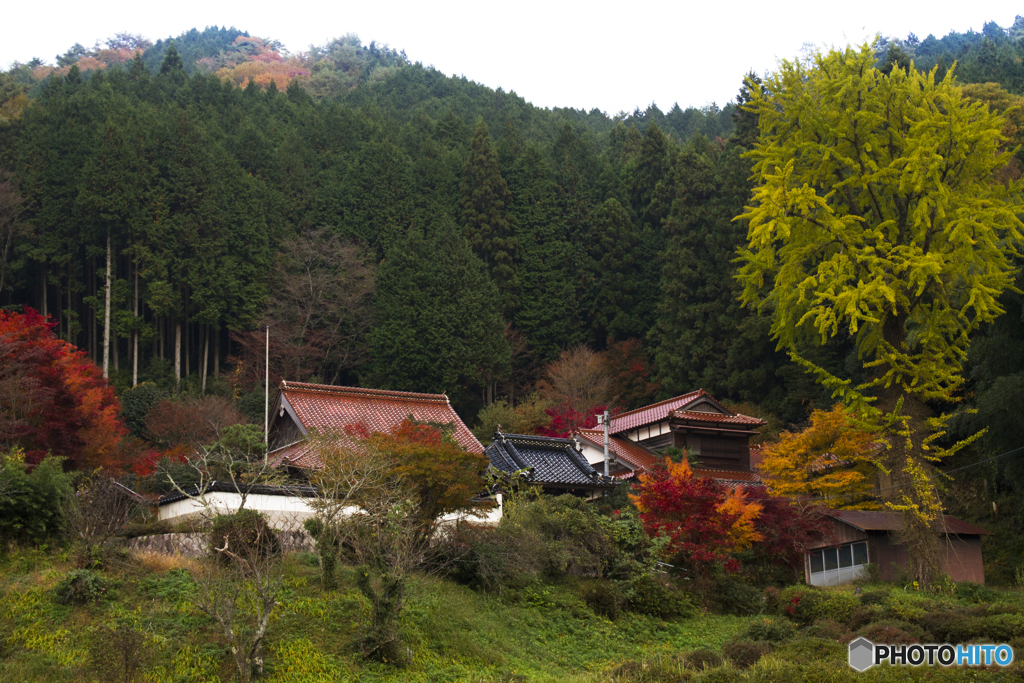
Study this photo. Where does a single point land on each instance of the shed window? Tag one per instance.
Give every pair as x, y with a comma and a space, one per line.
843, 557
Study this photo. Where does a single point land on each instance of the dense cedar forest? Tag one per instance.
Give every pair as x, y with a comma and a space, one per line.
399, 228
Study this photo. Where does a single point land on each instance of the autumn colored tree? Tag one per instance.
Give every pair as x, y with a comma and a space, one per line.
832, 459
705, 522
443, 477
879, 214
632, 376
577, 379
191, 423
53, 399
787, 531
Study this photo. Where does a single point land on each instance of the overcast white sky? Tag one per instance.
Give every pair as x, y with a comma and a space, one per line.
612, 56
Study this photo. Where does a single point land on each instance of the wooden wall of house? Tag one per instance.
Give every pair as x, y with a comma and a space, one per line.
961, 559
841, 534
717, 451
283, 431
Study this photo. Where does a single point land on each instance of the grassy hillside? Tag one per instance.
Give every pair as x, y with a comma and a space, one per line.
544, 633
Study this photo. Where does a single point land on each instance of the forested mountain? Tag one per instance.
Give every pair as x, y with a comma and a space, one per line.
392, 225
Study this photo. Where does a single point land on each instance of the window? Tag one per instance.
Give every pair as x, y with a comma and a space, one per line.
816, 562
860, 553
843, 557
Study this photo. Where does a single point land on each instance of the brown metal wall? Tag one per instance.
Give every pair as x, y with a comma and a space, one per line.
961, 559
841, 535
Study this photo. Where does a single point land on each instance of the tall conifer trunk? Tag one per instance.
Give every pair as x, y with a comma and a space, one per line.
216, 352
206, 355
177, 354
106, 312
135, 332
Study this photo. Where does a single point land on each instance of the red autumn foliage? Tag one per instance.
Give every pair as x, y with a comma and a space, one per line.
53, 399
787, 530
444, 477
565, 420
705, 522
632, 376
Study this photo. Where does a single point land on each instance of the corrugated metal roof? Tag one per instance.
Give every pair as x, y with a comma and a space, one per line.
553, 461
633, 454
882, 520
656, 412
322, 406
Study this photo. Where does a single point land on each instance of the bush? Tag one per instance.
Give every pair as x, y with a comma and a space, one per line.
702, 658
744, 653
772, 595
735, 597
245, 533
828, 629
802, 605
136, 404
877, 597
862, 616
837, 607
771, 630
493, 559
664, 669
603, 597
80, 587
805, 650
891, 632
657, 598
31, 507
975, 593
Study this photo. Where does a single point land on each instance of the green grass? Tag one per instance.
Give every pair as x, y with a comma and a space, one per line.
455, 634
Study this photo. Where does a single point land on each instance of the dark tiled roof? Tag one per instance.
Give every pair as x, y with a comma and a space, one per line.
322, 406
632, 454
882, 520
555, 462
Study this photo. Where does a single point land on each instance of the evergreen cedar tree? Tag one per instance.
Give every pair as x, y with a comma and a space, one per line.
832, 459
877, 214
54, 399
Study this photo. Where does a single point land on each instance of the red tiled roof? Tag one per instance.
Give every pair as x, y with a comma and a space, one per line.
728, 475
883, 520
700, 416
631, 453
656, 412
756, 456
322, 406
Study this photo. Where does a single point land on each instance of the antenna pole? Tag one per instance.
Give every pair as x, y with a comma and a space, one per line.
605, 422
266, 394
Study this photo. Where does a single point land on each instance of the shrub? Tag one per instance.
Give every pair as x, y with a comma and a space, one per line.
905, 607
802, 605
828, 629
735, 597
862, 616
664, 669
603, 597
31, 508
975, 593
891, 632
136, 404
948, 627
806, 650
702, 658
771, 630
657, 598
80, 587
744, 653
772, 595
876, 597
837, 606
245, 533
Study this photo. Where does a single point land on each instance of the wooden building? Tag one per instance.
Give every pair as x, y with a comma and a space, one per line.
862, 537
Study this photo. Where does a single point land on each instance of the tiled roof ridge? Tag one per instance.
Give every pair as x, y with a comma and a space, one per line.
364, 392
694, 394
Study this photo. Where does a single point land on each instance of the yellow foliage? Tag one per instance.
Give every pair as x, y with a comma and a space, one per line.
831, 459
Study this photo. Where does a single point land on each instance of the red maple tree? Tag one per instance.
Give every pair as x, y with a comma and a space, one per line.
705, 522
53, 399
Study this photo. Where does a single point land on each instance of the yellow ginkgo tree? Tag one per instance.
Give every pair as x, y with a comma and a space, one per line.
879, 212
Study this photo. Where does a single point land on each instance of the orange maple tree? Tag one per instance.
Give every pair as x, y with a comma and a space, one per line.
705, 522
53, 399
831, 461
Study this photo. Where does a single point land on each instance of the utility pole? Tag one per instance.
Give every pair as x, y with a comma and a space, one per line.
604, 421
266, 395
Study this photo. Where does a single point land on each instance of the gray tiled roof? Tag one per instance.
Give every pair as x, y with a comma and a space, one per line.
554, 462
